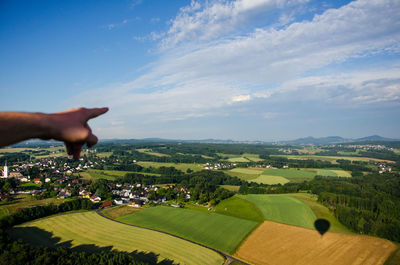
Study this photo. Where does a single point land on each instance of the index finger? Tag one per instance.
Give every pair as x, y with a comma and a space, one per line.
95, 112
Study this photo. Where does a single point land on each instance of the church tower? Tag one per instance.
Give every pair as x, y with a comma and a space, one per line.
5, 171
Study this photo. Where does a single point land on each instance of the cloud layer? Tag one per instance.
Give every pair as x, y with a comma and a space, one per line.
226, 54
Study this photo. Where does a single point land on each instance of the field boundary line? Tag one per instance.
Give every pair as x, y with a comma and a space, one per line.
227, 256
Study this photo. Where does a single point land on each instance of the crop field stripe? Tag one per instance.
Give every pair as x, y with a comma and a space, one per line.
212, 229
95, 229
193, 242
275, 243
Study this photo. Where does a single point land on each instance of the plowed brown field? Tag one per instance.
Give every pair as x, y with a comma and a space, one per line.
278, 244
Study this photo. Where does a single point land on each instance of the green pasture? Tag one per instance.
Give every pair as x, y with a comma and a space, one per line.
194, 207
244, 173
252, 157
25, 201
241, 158
180, 166
212, 229
87, 230
270, 180
281, 176
104, 154
291, 174
231, 187
283, 209
93, 174
321, 211
238, 159
238, 207
150, 152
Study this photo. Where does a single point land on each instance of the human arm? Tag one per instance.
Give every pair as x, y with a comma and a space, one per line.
69, 126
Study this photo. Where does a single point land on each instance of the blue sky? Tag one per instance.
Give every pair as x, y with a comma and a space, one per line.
239, 69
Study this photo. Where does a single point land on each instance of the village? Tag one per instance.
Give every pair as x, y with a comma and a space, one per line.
56, 177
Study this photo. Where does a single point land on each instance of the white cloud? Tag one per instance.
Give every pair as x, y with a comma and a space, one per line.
241, 98
218, 18
349, 89
204, 78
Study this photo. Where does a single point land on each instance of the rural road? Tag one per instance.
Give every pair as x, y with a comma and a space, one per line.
228, 257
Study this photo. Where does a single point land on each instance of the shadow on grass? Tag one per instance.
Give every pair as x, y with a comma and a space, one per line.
39, 237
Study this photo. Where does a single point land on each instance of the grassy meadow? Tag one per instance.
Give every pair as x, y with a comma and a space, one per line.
180, 166
150, 152
212, 229
281, 176
88, 229
93, 174
25, 201
238, 207
283, 209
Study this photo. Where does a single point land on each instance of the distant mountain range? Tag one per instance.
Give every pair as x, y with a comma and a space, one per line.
338, 139
300, 141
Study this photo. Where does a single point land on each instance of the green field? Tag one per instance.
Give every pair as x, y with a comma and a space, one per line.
283, 209
180, 166
244, 173
241, 208
321, 211
282, 176
231, 187
93, 174
25, 201
212, 229
150, 152
241, 158
270, 180
81, 230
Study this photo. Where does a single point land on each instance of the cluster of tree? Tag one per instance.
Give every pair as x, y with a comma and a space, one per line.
13, 158
366, 204
16, 253
7, 184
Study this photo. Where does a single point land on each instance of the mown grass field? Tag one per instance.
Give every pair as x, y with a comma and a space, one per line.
282, 176
93, 174
87, 228
150, 152
25, 201
270, 180
283, 209
119, 211
238, 207
241, 158
274, 243
212, 229
180, 166
231, 187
